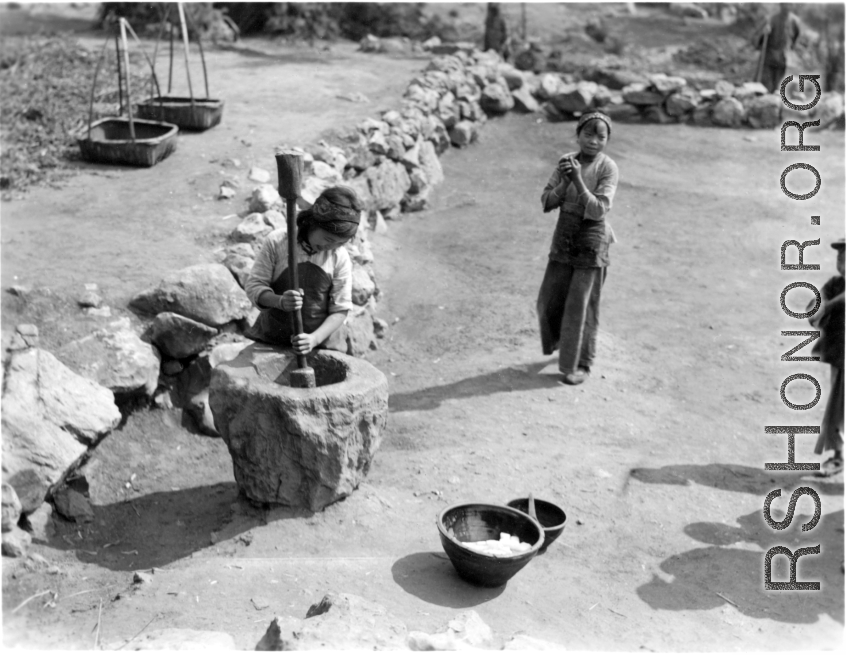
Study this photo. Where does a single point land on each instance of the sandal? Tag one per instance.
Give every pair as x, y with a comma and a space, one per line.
832, 466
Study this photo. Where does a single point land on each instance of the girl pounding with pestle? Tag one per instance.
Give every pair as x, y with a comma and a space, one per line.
325, 274
581, 188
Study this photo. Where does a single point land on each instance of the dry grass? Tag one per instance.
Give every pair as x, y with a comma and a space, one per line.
46, 86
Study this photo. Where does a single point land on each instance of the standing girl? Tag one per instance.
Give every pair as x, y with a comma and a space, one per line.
325, 273
581, 188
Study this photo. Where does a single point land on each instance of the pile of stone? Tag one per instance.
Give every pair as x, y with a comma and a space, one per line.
51, 417
660, 98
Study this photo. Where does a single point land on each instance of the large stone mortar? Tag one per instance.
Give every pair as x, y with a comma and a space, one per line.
303, 448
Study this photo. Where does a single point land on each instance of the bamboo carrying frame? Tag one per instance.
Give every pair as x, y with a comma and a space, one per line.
188, 113
118, 140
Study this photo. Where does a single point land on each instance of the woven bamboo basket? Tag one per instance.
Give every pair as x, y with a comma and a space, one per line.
109, 141
198, 115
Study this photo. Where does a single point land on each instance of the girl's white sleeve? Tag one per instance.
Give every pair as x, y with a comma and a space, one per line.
341, 293
550, 200
261, 275
598, 204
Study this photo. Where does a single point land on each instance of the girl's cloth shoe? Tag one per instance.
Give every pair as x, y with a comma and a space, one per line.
577, 377
832, 466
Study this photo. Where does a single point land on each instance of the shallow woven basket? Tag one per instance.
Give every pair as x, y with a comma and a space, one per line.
109, 141
200, 115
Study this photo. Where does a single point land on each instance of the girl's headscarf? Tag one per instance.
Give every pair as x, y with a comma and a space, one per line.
594, 115
337, 210
336, 218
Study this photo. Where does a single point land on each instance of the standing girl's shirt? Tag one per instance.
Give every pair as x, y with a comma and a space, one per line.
326, 278
582, 235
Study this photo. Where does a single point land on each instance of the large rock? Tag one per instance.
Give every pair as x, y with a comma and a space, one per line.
37, 454
73, 505
440, 137
360, 185
116, 358
640, 94
362, 157
749, 90
656, 114
178, 639
312, 188
514, 78
11, 507
463, 133
263, 198
702, 114
416, 202
252, 229
240, 267
303, 448
388, 183
496, 99
575, 98
531, 59
524, 101
179, 337
448, 110
431, 164
549, 85
728, 112
724, 89
337, 622
16, 542
623, 112
363, 285
666, 84
41, 524
360, 332
424, 97
40, 387
465, 631
681, 103
616, 78
829, 110
206, 292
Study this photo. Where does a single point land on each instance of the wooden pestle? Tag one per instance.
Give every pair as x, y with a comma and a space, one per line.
289, 166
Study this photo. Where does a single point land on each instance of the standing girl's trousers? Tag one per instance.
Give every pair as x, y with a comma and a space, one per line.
569, 313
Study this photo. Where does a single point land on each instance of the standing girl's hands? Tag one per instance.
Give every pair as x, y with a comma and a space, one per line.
570, 168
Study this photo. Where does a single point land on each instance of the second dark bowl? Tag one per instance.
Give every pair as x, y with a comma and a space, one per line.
551, 517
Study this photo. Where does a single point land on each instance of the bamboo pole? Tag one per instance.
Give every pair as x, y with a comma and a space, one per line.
120, 77
150, 63
202, 58
185, 43
128, 92
94, 85
171, 62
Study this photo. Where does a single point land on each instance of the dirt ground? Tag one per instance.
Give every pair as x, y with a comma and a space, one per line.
658, 459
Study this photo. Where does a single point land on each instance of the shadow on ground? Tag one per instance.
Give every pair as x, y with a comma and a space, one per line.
707, 578
157, 529
515, 378
431, 577
735, 477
